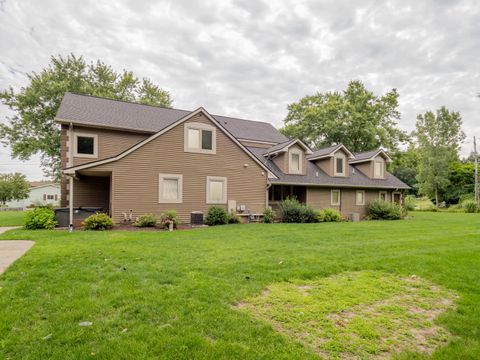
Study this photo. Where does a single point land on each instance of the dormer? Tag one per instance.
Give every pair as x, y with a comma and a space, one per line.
372, 163
333, 160
290, 156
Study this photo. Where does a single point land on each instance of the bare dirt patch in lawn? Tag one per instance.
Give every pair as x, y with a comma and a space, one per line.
363, 314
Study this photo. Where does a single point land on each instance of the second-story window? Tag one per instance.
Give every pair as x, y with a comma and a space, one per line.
339, 165
85, 145
200, 138
295, 162
378, 169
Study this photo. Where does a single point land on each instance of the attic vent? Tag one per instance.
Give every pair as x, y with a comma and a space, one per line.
316, 173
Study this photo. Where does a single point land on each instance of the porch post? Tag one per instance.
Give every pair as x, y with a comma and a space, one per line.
70, 201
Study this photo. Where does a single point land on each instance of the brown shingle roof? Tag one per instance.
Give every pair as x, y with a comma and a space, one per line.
316, 176
103, 112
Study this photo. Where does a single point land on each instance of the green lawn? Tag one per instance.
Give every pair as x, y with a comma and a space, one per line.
177, 295
12, 218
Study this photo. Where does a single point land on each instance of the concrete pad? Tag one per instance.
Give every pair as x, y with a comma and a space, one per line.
11, 250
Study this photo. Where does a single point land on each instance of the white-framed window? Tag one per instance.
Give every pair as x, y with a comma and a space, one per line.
382, 195
335, 197
200, 138
216, 190
360, 197
378, 168
295, 161
85, 145
339, 164
170, 188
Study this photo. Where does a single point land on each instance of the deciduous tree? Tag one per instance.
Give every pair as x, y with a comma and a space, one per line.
13, 186
356, 117
32, 129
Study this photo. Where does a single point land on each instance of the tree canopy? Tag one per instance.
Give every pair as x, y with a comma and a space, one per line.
32, 129
13, 186
438, 137
356, 117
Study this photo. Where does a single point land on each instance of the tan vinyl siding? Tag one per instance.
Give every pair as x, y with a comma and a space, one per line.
281, 160
366, 168
110, 142
136, 176
319, 198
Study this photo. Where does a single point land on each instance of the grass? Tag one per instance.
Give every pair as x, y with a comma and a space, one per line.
12, 218
361, 313
172, 295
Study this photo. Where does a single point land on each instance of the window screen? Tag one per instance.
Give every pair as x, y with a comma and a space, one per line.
216, 190
339, 165
193, 138
295, 166
170, 189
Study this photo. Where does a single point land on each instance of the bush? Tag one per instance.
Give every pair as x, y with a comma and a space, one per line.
168, 217
40, 218
329, 215
470, 206
292, 211
233, 218
216, 216
384, 210
409, 203
268, 216
146, 220
98, 221
310, 215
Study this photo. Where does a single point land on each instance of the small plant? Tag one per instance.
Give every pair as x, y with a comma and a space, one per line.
470, 206
384, 210
40, 218
169, 217
329, 215
146, 220
268, 216
98, 221
233, 218
216, 216
409, 203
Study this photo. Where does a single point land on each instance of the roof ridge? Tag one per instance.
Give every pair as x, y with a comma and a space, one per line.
125, 101
161, 107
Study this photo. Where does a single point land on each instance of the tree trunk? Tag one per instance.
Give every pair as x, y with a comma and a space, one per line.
436, 196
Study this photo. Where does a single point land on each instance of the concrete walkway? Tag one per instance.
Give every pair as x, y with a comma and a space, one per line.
11, 250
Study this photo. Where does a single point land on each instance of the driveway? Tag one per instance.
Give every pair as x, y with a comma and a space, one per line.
11, 250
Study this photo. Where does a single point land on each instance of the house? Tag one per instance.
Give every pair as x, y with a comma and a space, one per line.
131, 159
41, 193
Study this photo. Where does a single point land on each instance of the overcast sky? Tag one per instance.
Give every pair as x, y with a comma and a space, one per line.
251, 58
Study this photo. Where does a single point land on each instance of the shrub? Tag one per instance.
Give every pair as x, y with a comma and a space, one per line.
216, 216
268, 216
384, 210
169, 216
292, 211
409, 203
470, 206
146, 220
309, 215
329, 215
233, 218
40, 218
98, 221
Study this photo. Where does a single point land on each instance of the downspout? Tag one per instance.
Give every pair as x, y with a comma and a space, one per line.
70, 184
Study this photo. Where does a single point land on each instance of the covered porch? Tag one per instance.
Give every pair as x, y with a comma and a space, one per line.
88, 189
278, 193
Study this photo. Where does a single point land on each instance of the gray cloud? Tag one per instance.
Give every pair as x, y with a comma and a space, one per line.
250, 59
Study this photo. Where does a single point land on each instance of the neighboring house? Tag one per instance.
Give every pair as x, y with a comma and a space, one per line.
41, 193
134, 159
